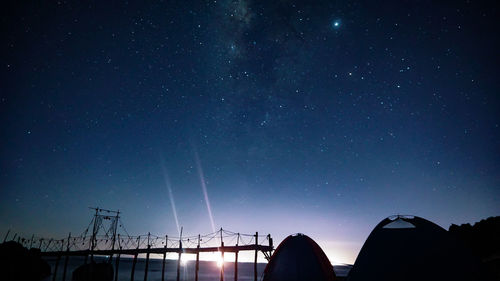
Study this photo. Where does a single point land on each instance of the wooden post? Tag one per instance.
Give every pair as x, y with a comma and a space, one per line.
31, 241
6, 235
87, 254
66, 259
117, 260
236, 259
164, 257
270, 245
179, 261
222, 256
255, 259
197, 267
57, 261
117, 264
135, 260
147, 260
222, 265
236, 266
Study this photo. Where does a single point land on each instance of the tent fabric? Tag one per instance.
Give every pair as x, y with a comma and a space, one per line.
411, 248
299, 258
399, 223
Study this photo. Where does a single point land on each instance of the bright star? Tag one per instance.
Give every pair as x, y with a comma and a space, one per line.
336, 24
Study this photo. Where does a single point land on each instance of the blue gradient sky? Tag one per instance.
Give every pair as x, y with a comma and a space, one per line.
298, 125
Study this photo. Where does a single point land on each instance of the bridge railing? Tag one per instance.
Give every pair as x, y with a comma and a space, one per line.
103, 242
220, 241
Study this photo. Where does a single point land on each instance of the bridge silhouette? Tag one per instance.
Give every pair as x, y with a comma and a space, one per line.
105, 241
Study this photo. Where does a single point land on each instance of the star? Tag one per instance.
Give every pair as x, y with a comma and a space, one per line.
336, 24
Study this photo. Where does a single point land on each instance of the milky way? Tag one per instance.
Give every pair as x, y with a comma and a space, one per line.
300, 124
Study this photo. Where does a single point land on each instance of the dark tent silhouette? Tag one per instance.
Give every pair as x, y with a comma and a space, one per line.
412, 248
299, 258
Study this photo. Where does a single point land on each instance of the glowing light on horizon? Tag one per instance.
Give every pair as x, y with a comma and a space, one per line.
184, 260
203, 187
170, 193
219, 260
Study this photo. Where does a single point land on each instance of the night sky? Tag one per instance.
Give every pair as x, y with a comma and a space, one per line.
320, 117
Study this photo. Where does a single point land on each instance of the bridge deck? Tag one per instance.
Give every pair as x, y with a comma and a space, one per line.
226, 249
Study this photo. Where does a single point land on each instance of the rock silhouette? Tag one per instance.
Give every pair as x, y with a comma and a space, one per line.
19, 263
483, 240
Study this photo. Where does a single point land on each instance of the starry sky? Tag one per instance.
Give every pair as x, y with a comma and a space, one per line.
320, 117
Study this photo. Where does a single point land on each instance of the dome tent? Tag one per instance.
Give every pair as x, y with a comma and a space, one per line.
299, 258
411, 248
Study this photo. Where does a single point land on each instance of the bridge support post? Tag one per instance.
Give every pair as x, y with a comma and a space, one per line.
255, 258
164, 257
66, 259
236, 259
270, 246
117, 260
57, 261
147, 260
222, 256
65, 267
55, 268
222, 265
135, 260
117, 264
197, 267
31, 241
133, 268
236, 266
179, 261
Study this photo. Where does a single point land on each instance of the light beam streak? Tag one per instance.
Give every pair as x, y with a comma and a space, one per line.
170, 193
203, 187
